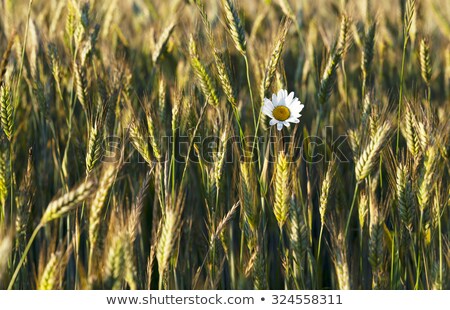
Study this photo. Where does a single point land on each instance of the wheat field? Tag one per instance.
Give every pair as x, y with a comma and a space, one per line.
136, 151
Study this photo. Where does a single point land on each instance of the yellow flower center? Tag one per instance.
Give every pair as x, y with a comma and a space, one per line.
281, 113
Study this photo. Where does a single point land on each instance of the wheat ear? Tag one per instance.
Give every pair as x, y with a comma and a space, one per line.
235, 26
425, 62
6, 111
368, 158
50, 274
205, 80
404, 196
97, 206
68, 202
327, 80
282, 192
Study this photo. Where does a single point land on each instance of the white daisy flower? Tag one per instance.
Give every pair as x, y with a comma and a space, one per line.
283, 109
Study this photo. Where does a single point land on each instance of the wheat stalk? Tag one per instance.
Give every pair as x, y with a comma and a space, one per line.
258, 272
235, 26
50, 274
274, 59
404, 196
94, 150
162, 41
298, 240
368, 158
5, 57
139, 141
130, 266
206, 83
5, 175
81, 85
115, 262
327, 80
426, 182
282, 190
425, 62
166, 241
6, 111
6, 243
247, 202
325, 192
410, 133
222, 69
367, 54
96, 209
363, 209
59, 207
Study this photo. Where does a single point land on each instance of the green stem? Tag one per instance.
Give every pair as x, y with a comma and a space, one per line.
11, 168
191, 144
393, 257
400, 98
251, 93
416, 286
24, 255
320, 243
16, 101
440, 245
24, 45
172, 164
160, 281
238, 121
351, 210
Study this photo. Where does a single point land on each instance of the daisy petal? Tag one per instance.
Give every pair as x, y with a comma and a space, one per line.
274, 100
267, 111
268, 103
273, 122
290, 98
294, 102
286, 123
279, 126
280, 94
